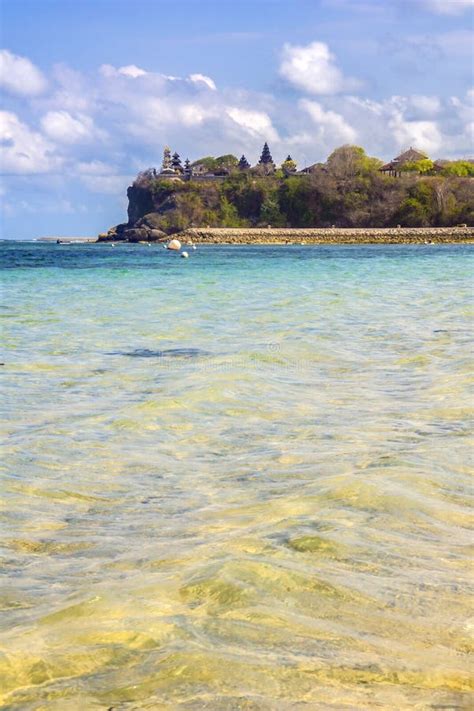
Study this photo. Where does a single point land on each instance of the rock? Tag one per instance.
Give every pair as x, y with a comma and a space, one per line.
136, 234
175, 244
185, 255
157, 235
152, 220
115, 233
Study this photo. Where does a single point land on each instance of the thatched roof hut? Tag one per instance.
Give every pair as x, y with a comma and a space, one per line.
395, 167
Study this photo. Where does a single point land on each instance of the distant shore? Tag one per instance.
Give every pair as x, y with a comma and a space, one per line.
331, 235
66, 240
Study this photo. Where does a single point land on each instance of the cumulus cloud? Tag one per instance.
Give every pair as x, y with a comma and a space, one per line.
130, 70
256, 123
94, 167
313, 69
203, 79
23, 150
449, 7
389, 126
331, 126
427, 105
115, 121
106, 184
20, 76
420, 134
64, 128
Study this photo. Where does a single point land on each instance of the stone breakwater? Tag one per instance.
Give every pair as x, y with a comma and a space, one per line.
332, 235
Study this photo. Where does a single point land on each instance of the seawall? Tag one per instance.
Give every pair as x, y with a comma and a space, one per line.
331, 235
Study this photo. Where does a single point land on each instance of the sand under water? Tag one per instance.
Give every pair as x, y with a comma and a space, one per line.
237, 481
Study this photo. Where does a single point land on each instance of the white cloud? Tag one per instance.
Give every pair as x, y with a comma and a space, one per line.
106, 184
203, 79
20, 76
427, 105
95, 167
256, 123
138, 112
449, 7
313, 69
130, 70
388, 126
424, 135
331, 126
64, 128
194, 114
23, 150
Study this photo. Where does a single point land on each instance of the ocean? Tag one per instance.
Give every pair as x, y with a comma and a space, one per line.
236, 481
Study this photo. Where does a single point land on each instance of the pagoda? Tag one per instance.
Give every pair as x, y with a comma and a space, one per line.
266, 160
243, 163
176, 163
188, 171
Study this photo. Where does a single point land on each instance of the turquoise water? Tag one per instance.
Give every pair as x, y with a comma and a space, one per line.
237, 481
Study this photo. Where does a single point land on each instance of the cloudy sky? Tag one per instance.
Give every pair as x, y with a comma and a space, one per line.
93, 89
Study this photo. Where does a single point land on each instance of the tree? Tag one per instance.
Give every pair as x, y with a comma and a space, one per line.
289, 165
270, 211
228, 161
209, 162
459, 168
422, 166
229, 216
350, 161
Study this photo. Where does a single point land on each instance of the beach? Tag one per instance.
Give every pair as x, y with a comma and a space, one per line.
238, 480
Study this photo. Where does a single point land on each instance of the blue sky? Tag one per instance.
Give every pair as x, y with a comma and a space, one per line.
93, 89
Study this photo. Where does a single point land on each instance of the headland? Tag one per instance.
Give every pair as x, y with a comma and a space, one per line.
351, 198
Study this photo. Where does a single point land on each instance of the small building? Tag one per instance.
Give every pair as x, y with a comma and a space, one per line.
395, 167
199, 169
310, 169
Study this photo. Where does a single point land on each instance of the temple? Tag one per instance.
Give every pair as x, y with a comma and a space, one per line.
217, 169
210, 168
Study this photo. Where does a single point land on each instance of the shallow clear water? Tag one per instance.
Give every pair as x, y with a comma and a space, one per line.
237, 481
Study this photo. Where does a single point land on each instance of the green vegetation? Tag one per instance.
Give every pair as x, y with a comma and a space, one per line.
348, 190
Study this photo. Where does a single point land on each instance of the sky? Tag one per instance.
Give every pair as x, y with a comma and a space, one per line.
92, 90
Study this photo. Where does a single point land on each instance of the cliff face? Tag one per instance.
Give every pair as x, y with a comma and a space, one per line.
140, 203
145, 212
